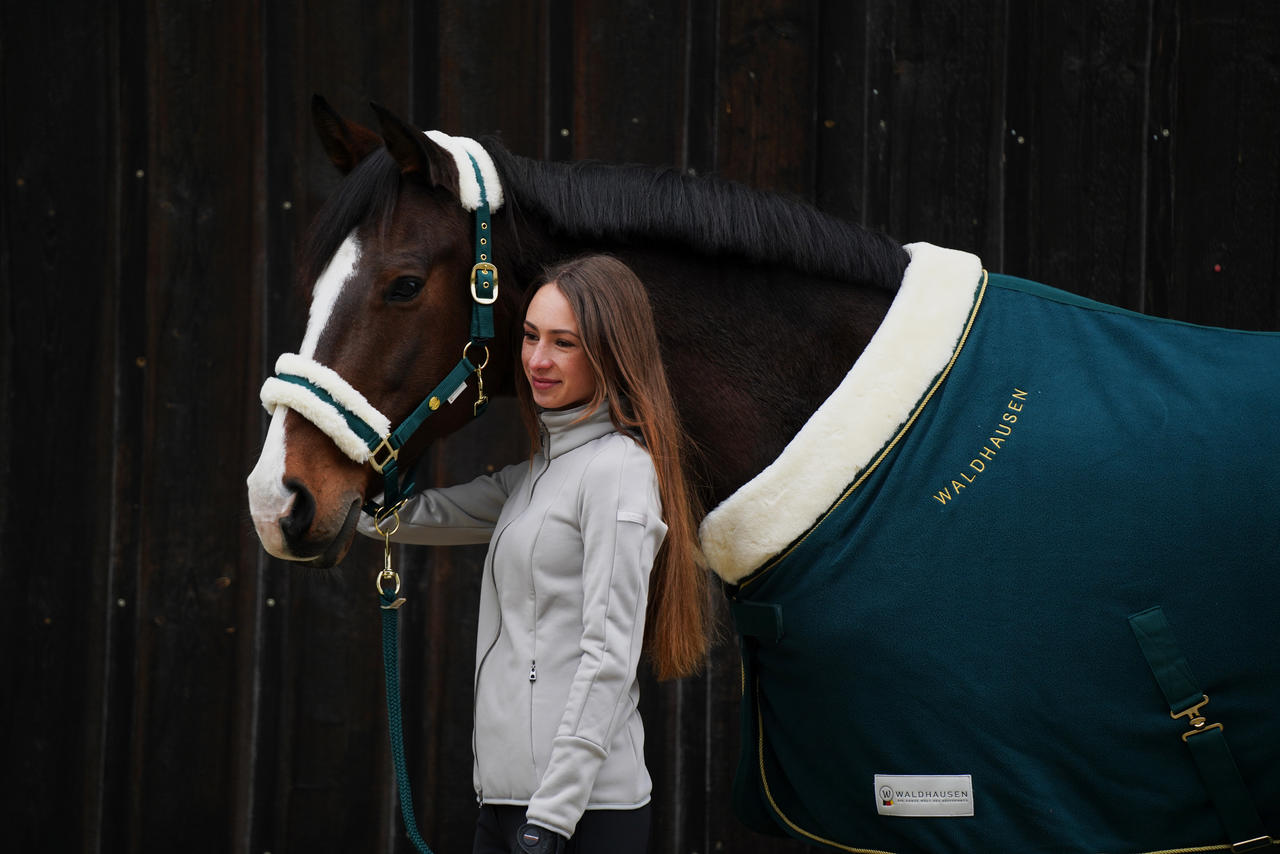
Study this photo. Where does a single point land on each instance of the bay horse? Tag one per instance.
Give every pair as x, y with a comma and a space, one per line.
387, 252
959, 613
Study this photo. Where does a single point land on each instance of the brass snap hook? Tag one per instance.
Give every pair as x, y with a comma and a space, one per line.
388, 574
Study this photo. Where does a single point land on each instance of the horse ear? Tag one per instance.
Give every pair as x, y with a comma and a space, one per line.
346, 143
416, 153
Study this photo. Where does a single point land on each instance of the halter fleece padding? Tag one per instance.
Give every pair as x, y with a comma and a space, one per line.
277, 392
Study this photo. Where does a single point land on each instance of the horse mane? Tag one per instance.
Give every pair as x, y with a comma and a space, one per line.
629, 203
708, 215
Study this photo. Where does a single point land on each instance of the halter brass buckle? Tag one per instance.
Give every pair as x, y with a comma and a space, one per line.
383, 454
488, 268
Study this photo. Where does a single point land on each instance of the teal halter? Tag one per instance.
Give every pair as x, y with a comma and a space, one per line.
383, 446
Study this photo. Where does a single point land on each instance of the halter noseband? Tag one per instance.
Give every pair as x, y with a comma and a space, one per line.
360, 431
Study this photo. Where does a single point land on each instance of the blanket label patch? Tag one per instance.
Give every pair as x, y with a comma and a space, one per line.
924, 795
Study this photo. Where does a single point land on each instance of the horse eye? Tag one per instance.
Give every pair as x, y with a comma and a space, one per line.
404, 289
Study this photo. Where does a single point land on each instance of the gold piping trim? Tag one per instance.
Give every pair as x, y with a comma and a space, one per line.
973, 315
768, 793
1225, 847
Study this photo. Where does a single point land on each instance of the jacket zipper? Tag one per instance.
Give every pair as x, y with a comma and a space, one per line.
475, 692
545, 439
493, 577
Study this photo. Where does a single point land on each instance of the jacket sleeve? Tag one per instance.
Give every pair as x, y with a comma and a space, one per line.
458, 515
622, 528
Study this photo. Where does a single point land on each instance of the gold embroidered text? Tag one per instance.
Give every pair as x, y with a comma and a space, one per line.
990, 449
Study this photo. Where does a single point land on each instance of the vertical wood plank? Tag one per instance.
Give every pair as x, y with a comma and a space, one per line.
702, 87
494, 69
202, 81
1223, 157
56, 264
769, 77
946, 92
108, 825
1160, 203
1077, 136
628, 107
845, 90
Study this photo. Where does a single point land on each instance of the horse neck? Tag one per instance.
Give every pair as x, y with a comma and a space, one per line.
751, 350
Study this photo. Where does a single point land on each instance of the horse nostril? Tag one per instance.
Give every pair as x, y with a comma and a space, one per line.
301, 515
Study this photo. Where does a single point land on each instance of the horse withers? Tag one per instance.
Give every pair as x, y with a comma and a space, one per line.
967, 538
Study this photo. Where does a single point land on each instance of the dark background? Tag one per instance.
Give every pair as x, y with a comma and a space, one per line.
165, 686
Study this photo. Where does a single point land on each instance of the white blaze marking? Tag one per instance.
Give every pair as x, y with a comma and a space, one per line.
269, 500
341, 267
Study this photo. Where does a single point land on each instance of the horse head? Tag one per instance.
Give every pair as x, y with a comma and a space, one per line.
388, 261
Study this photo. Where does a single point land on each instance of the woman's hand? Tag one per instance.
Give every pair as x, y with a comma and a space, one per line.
532, 839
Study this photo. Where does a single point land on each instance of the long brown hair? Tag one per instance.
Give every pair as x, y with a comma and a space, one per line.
615, 324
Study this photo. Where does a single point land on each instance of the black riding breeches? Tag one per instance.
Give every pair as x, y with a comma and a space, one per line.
598, 832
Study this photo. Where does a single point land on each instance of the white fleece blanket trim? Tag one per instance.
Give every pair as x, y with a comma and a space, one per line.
912, 346
469, 189
277, 392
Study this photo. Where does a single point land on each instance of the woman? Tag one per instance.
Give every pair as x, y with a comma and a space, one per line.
592, 547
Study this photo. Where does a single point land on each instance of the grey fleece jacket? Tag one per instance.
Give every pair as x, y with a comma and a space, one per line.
572, 537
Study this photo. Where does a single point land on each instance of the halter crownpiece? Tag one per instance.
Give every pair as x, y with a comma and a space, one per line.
477, 176
332, 404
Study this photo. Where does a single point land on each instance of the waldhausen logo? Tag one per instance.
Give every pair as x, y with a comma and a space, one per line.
924, 795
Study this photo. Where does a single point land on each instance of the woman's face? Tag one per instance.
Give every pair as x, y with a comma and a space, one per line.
555, 364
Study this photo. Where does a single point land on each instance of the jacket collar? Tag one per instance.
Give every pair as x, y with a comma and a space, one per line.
562, 432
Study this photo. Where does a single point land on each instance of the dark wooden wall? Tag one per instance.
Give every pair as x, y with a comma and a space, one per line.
163, 685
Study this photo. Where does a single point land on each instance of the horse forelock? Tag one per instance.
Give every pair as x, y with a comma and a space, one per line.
368, 194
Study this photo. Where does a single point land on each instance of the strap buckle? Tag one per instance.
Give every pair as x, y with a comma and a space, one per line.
1195, 720
484, 267
383, 455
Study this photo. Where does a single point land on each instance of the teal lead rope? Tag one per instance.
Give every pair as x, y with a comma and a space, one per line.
384, 459
391, 603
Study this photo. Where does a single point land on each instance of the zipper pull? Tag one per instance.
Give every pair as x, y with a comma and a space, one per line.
533, 671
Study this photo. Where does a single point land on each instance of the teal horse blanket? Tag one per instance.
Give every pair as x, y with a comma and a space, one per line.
982, 594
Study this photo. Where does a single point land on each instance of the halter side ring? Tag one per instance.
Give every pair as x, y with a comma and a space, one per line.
389, 513
482, 365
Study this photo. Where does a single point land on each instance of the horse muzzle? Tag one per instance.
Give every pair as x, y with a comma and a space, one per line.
302, 516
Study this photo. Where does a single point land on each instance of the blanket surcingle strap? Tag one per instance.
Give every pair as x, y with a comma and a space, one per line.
1207, 741
961, 637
